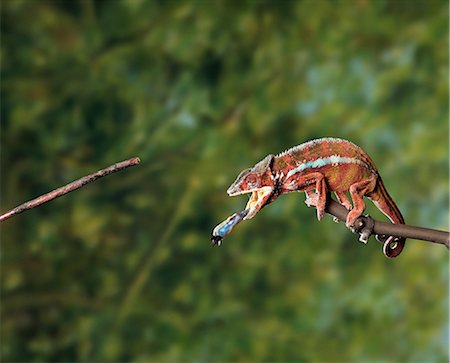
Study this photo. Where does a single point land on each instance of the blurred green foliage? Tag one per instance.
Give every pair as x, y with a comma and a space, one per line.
122, 270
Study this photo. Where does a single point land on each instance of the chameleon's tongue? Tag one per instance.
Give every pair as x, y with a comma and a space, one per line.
224, 228
257, 200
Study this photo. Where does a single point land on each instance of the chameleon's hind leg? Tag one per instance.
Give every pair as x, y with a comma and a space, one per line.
357, 192
307, 183
343, 199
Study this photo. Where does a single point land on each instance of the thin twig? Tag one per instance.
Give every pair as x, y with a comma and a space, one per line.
69, 188
389, 229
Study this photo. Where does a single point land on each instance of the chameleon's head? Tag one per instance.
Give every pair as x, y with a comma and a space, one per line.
258, 181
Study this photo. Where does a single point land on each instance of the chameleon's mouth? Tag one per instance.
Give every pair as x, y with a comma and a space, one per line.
257, 200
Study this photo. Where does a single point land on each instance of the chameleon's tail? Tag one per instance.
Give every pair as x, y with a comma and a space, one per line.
385, 204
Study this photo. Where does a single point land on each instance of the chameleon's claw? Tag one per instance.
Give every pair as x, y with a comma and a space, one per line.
336, 219
354, 228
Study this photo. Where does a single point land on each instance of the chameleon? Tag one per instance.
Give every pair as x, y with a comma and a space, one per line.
317, 167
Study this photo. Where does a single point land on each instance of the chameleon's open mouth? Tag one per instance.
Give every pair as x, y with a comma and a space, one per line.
257, 200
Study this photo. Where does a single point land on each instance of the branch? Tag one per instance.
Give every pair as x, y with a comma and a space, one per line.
389, 229
69, 188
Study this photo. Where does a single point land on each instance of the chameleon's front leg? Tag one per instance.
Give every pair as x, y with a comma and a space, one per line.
307, 183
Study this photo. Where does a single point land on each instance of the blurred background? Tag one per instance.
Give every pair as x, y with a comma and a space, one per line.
122, 270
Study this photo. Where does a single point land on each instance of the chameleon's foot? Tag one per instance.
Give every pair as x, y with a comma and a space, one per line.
317, 200
351, 226
336, 219
353, 221
312, 199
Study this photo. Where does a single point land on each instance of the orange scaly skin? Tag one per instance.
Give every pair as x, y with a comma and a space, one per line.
318, 167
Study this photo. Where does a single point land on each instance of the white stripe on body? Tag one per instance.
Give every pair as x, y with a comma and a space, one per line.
333, 160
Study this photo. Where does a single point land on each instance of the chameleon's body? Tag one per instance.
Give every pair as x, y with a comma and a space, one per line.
318, 167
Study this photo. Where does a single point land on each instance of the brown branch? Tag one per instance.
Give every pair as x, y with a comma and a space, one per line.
389, 229
69, 188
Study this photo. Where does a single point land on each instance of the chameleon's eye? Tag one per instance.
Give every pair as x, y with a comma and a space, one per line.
251, 180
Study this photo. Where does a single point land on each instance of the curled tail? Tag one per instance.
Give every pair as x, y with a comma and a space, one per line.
393, 246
